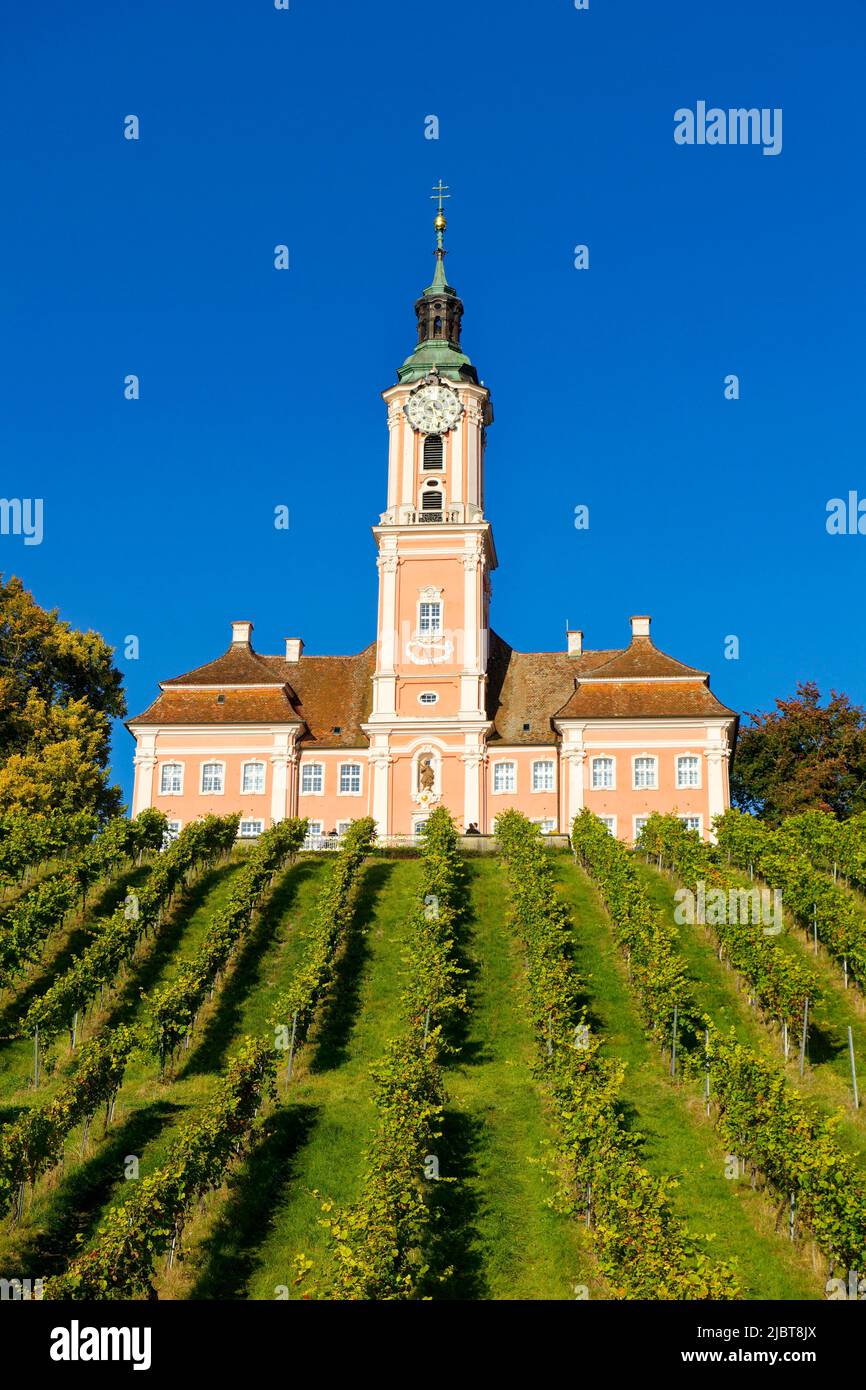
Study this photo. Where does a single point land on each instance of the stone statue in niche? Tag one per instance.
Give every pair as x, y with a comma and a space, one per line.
426, 775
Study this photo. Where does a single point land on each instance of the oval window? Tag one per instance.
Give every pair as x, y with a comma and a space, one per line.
428, 697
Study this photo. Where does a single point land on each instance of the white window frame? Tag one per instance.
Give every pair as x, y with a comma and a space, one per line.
602, 786
609, 823
645, 786
687, 816
253, 791
212, 791
688, 786
543, 762
251, 835
311, 767
163, 768
549, 821
342, 826
428, 698
315, 827
418, 821
431, 603
350, 791
172, 830
636, 829
504, 791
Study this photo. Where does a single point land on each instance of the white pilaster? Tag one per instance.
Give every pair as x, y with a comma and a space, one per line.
144, 762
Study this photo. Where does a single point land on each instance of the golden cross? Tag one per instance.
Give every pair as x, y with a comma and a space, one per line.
440, 191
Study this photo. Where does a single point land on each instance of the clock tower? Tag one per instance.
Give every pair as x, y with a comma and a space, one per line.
428, 724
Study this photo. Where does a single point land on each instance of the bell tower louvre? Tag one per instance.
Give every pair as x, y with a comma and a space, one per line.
438, 710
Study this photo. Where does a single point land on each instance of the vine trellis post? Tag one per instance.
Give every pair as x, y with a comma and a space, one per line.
853, 1068
804, 1035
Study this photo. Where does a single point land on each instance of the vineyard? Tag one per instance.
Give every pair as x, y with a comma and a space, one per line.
249, 1071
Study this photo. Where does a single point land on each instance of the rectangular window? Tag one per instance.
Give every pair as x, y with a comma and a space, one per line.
505, 777
343, 826
314, 827
253, 779
639, 823
312, 778
212, 777
645, 772
250, 829
171, 779
688, 771
542, 776
547, 826
430, 617
692, 823
602, 774
350, 779
172, 830
609, 823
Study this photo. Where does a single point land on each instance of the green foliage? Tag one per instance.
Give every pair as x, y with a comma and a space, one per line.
199, 844
802, 755
779, 982
26, 923
332, 917
27, 839
35, 1142
135, 1233
59, 690
759, 1116
782, 858
379, 1243
643, 1247
173, 1008
657, 969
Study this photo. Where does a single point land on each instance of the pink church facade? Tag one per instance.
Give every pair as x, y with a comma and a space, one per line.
439, 710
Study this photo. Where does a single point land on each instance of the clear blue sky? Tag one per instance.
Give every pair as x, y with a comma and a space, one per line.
259, 387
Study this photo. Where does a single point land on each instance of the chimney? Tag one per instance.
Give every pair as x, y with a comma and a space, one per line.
640, 627
241, 634
294, 647
575, 641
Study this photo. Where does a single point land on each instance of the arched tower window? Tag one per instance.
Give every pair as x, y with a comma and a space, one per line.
431, 501
437, 327
432, 451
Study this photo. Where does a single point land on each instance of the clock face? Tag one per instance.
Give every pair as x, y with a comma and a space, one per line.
433, 409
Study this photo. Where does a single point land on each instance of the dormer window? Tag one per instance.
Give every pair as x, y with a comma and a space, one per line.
433, 451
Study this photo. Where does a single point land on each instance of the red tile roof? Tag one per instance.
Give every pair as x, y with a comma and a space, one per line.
178, 705
331, 696
660, 699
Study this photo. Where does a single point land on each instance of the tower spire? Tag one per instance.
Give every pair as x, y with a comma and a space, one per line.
439, 285
439, 312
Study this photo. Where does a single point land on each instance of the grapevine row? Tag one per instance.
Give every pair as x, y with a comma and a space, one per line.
643, 1247
296, 1005
810, 894
377, 1242
173, 1008
780, 983
333, 911
26, 924
200, 844
135, 1233
34, 1143
775, 1131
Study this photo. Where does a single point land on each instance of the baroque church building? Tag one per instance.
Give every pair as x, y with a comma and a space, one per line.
439, 710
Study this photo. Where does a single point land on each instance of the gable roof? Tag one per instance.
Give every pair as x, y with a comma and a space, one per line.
323, 693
